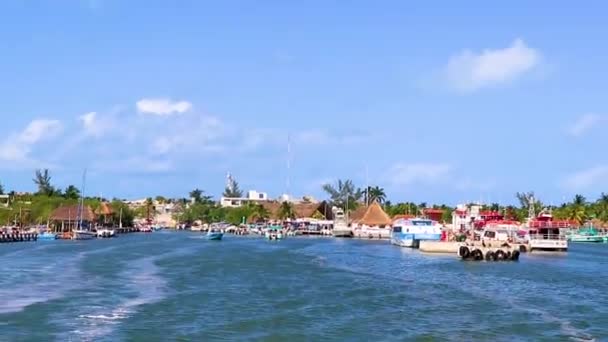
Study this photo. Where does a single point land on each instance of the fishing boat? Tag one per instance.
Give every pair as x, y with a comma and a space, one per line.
214, 235
588, 234
409, 232
340, 225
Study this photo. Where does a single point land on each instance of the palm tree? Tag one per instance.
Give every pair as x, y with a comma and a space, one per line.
343, 193
375, 194
149, 209
579, 200
71, 192
286, 211
1, 189
602, 207
260, 212
42, 179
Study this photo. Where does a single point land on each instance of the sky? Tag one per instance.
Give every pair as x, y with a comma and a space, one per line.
433, 101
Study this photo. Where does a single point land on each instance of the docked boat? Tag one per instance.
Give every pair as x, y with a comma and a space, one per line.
546, 234
588, 234
409, 232
82, 234
340, 224
106, 233
47, 236
274, 233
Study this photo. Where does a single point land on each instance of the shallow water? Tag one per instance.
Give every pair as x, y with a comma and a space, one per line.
178, 286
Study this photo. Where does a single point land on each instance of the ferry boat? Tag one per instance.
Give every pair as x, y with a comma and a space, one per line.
409, 232
545, 234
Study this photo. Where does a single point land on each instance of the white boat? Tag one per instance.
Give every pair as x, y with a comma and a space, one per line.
409, 232
105, 233
545, 234
340, 226
81, 234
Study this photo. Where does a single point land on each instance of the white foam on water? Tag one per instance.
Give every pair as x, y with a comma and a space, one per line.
143, 277
48, 282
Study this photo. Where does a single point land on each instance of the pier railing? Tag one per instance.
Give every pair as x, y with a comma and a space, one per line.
548, 237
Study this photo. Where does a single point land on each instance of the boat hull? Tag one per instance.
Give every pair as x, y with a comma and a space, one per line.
214, 236
586, 239
403, 240
83, 235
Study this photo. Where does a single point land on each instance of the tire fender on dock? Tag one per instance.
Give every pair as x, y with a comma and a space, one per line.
464, 252
490, 256
500, 255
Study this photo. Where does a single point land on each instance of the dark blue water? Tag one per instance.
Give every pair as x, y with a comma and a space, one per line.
172, 286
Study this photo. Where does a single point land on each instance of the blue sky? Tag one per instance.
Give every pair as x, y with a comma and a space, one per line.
440, 103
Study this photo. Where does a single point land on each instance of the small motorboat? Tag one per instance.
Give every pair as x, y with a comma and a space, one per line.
47, 236
106, 233
214, 235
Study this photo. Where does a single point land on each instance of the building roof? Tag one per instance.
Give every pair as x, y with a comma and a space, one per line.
301, 210
70, 213
375, 216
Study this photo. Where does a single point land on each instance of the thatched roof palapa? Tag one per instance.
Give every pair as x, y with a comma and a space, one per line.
375, 216
70, 213
301, 210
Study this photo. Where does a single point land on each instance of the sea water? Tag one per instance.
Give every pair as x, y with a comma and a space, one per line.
169, 286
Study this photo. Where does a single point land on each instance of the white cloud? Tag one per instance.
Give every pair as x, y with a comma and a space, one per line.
585, 123
162, 107
469, 71
95, 125
18, 146
430, 173
585, 179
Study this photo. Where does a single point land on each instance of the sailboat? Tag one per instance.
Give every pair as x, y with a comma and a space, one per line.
80, 233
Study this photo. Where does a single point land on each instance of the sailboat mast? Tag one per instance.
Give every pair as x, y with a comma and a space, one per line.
81, 204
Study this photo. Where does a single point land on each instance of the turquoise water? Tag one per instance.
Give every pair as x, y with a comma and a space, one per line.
176, 286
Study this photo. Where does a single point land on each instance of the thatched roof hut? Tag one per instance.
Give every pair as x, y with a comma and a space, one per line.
301, 210
375, 216
70, 213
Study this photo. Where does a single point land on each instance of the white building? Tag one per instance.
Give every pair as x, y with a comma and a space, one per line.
252, 196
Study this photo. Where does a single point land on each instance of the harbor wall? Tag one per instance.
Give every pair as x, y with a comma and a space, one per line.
439, 246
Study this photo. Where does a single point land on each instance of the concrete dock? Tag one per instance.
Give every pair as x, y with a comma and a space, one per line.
452, 247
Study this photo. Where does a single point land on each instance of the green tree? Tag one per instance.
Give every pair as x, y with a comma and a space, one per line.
286, 211
374, 194
259, 212
196, 195
601, 207
344, 194
160, 199
233, 190
1, 189
71, 192
42, 179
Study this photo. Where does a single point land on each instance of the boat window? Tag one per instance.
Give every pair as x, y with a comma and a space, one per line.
490, 234
396, 229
